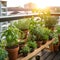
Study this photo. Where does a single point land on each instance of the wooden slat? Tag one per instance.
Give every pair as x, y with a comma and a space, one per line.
36, 51
45, 55
51, 56
42, 52
57, 57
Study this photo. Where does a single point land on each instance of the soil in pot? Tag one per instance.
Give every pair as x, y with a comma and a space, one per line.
12, 52
50, 37
24, 54
39, 43
32, 49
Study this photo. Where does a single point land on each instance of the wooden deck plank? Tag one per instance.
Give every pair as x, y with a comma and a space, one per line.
57, 57
42, 52
51, 56
45, 55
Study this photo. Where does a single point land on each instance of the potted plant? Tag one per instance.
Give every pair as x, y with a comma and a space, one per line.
11, 37
58, 31
2, 44
32, 45
51, 22
54, 46
3, 54
25, 50
23, 25
41, 34
21, 44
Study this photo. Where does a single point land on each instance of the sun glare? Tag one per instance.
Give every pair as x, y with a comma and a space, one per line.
42, 4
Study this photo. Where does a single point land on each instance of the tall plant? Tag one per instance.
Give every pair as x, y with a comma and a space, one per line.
11, 35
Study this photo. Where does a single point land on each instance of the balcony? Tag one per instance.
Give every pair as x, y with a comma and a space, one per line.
43, 51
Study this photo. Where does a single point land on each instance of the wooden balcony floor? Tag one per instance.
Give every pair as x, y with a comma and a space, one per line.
48, 55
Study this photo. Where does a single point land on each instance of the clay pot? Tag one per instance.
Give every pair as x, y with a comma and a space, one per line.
56, 47
26, 33
51, 48
12, 53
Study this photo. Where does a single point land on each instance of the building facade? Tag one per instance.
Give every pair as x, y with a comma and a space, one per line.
3, 12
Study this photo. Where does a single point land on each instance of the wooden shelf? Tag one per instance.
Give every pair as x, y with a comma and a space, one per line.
36, 51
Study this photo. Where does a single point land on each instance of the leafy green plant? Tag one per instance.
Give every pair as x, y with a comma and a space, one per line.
22, 24
22, 35
3, 54
11, 35
41, 33
25, 50
55, 35
51, 21
46, 33
32, 44
58, 29
22, 42
2, 44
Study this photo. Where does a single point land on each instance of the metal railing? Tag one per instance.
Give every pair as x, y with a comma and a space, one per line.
15, 17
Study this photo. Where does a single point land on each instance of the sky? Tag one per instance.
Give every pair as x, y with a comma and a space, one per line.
40, 3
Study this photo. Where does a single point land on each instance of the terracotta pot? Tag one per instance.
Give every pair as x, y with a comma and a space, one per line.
56, 47
51, 48
39, 43
51, 28
13, 53
26, 33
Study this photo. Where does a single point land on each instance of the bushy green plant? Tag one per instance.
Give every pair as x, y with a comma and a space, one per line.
46, 33
55, 35
32, 44
51, 21
2, 44
41, 33
22, 24
21, 34
11, 35
31, 37
3, 54
25, 49
21, 42
58, 29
